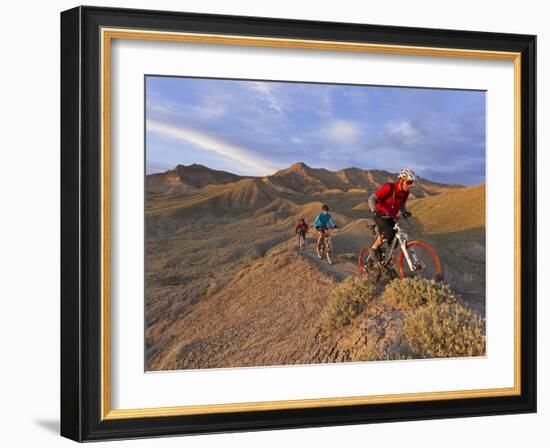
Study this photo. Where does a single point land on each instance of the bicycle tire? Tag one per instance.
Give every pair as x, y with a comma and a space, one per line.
321, 251
433, 271
361, 262
330, 253
366, 266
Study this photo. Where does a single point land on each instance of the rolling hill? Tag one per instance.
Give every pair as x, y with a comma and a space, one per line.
187, 180
225, 285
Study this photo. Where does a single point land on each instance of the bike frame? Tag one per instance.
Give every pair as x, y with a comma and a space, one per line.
401, 239
386, 264
325, 241
326, 236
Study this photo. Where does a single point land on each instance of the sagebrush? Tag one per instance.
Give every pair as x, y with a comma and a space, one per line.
347, 301
431, 324
443, 331
412, 293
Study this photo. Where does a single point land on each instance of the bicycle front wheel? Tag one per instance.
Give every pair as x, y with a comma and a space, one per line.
330, 253
321, 251
424, 262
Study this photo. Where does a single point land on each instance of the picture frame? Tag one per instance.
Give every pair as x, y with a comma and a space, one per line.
86, 37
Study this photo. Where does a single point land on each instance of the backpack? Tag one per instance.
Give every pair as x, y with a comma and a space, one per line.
391, 193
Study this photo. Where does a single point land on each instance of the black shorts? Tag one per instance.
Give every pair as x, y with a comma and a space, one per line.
385, 227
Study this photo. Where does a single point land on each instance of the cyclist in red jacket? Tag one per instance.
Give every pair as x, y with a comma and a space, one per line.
302, 228
386, 203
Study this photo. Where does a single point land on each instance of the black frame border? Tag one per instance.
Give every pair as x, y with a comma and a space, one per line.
81, 223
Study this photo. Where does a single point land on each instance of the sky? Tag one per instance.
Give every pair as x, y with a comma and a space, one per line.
258, 127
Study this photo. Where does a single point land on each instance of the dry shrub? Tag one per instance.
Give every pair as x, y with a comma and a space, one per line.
432, 324
412, 293
346, 301
434, 331
385, 351
442, 331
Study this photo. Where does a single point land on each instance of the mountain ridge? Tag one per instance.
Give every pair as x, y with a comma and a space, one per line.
297, 178
227, 287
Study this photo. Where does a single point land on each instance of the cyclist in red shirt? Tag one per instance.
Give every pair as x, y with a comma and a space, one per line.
386, 203
302, 227
301, 231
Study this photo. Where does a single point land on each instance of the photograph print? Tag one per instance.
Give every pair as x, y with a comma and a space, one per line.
291, 223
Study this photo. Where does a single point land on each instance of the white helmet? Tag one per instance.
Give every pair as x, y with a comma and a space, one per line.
407, 174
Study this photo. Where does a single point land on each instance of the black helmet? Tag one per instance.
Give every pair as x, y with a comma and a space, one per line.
325, 207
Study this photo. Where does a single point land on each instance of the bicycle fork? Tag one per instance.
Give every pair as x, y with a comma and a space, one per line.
410, 255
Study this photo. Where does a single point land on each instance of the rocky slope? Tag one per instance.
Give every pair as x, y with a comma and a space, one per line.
225, 285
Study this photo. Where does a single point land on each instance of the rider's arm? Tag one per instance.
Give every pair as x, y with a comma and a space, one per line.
331, 221
372, 202
404, 212
404, 204
317, 222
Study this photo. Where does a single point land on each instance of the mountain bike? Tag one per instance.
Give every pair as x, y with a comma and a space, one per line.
416, 258
326, 249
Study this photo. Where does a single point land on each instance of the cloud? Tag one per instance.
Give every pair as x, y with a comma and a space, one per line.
206, 142
267, 92
209, 107
159, 107
404, 131
259, 126
341, 132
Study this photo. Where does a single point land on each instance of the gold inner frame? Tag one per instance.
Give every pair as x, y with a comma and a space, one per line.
107, 35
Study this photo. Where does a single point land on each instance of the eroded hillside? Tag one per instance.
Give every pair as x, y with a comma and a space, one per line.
226, 286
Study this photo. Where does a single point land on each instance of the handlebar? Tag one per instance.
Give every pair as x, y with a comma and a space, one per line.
397, 218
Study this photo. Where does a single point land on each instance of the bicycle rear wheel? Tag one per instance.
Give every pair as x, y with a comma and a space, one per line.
367, 265
427, 264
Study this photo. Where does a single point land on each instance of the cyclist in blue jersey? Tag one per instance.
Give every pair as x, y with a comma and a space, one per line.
323, 221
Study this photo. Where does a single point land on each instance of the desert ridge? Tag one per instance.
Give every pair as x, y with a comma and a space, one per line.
226, 286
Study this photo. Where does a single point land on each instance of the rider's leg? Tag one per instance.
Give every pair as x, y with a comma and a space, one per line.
301, 238
385, 233
377, 242
375, 248
320, 237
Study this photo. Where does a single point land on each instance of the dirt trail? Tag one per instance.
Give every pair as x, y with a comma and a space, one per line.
470, 293
339, 269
